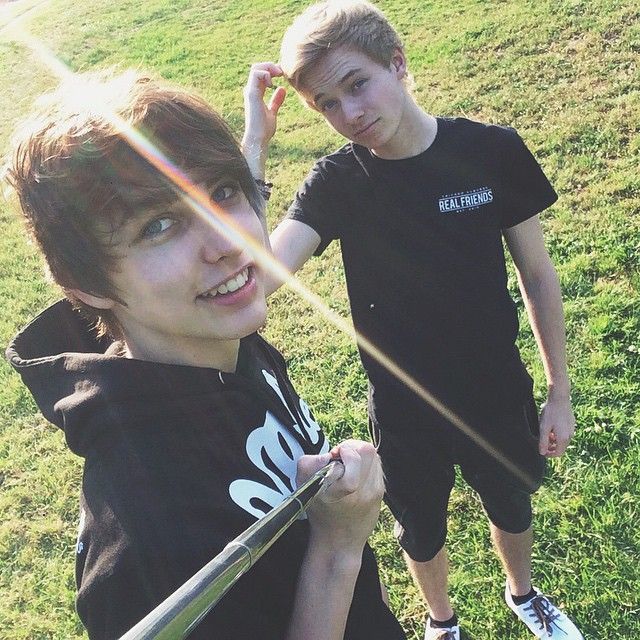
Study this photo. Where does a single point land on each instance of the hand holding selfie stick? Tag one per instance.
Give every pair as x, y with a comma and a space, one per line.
181, 612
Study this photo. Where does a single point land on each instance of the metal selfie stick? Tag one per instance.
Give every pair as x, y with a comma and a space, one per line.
180, 613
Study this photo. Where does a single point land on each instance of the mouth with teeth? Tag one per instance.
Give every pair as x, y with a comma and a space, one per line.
230, 289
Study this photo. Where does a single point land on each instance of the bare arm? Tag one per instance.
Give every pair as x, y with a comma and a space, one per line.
340, 522
260, 121
260, 118
292, 243
543, 300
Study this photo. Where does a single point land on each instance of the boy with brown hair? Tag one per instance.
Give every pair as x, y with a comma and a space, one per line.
420, 205
188, 424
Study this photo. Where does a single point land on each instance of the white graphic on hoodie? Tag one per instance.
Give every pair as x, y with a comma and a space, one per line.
273, 446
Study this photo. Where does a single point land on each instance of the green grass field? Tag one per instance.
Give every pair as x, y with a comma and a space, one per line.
565, 74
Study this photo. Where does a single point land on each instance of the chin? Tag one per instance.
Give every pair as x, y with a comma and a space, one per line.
250, 325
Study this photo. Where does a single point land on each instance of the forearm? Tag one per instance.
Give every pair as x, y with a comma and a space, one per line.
324, 593
543, 301
292, 243
255, 152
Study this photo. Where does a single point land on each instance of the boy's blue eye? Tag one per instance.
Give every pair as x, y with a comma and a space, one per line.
358, 84
328, 105
224, 192
157, 227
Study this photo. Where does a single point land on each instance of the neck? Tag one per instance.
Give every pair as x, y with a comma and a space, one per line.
221, 354
415, 134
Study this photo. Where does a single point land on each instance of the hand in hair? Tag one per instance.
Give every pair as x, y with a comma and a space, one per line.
260, 117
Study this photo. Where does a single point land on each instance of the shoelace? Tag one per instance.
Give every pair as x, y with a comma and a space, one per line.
446, 635
542, 611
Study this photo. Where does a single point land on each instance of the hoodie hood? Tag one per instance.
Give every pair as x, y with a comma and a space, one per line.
84, 387
178, 461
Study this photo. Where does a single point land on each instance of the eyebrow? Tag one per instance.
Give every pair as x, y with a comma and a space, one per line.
137, 210
164, 198
342, 80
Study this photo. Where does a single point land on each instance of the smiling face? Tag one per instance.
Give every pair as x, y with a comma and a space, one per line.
362, 100
188, 292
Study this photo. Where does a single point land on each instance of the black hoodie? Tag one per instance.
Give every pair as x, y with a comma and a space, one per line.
178, 461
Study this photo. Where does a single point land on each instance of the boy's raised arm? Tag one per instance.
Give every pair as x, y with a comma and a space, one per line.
293, 243
260, 118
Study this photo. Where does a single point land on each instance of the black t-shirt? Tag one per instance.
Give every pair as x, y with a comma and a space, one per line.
421, 241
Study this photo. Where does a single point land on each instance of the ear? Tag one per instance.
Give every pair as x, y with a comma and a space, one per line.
399, 63
92, 300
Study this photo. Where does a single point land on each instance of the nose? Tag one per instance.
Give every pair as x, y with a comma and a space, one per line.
218, 240
352, 110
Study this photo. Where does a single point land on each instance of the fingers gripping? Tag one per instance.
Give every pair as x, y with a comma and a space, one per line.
362, 477
308, 465
346, 509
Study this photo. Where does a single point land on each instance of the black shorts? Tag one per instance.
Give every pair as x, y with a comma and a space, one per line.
419, 449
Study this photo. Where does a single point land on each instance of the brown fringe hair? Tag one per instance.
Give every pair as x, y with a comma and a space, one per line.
72, 166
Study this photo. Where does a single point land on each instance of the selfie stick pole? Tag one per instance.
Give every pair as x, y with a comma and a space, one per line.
180, 613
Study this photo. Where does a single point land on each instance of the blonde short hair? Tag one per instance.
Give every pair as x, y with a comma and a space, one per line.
324, 26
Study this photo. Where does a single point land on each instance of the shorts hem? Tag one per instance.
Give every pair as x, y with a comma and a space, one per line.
415, 554
507, 529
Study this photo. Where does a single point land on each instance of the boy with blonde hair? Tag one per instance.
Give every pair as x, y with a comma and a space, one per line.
420, 205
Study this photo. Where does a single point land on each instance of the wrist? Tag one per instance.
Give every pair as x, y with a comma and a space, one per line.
264, 188
336, 561
559, 391
256, 156
337, 552
255, 146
